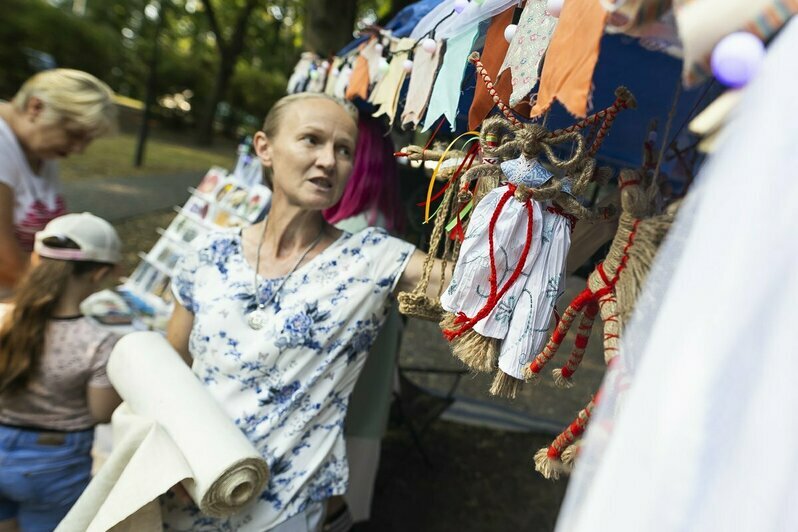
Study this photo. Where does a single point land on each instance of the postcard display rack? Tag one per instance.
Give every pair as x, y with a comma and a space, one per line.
219, 201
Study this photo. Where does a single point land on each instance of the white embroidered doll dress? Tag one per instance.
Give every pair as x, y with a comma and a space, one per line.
469, 289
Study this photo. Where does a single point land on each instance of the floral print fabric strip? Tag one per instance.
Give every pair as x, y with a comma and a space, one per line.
527, 48
286, 385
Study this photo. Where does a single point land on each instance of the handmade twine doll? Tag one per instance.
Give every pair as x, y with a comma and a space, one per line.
501, 244
529, 323
612, 289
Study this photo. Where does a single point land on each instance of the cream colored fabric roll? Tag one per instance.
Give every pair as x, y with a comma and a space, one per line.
169, 430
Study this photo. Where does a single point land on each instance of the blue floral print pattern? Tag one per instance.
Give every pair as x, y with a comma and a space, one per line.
287, 385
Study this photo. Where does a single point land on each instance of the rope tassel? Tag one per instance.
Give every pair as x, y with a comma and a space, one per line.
548, 461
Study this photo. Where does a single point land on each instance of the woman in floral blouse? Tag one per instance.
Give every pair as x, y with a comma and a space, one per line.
276, 319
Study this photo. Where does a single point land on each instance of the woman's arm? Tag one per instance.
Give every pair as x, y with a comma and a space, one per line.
179, 330
13, 261
103, 400
415, 270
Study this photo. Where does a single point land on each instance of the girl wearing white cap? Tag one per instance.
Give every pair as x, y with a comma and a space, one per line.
53, 386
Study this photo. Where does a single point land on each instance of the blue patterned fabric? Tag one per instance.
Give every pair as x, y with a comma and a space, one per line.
286, 385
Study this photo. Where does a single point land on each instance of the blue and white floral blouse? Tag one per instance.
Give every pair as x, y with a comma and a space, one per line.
286, 385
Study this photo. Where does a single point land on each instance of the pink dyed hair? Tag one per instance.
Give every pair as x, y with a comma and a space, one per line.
373, 187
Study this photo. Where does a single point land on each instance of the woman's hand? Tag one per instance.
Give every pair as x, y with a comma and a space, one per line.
411, 277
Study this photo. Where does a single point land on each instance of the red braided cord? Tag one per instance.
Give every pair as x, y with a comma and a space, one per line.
557, 337
495, 295
581, 340
492, 91
629, 183
570, 434
556, 209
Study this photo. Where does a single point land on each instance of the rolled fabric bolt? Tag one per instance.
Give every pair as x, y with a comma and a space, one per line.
736, 58
429, 45
509, 32
554, 7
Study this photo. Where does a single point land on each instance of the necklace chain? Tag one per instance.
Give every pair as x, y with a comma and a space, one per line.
256, 319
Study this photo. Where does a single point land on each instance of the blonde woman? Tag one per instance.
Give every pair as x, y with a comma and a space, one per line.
276, 319
55, 114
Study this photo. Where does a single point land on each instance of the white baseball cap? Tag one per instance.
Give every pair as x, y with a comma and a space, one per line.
97, 239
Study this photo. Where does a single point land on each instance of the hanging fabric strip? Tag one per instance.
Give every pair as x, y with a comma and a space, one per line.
373, 58
332, 77
446, 92
358, 80
425, 68
432, 19
342, 81
493, 52
571, 58
527, 48
387, 98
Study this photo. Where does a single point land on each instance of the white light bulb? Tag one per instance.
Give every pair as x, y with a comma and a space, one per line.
554, 7
429, 45
383, 68
407, 65
509, 32
378, 48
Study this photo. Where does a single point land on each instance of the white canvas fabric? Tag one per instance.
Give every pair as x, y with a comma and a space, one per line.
696, 427
169, 430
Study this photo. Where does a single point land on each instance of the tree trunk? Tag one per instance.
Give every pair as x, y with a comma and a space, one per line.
229, 51
220, 83
328, 25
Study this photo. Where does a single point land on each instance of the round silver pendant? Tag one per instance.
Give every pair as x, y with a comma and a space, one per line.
256, 319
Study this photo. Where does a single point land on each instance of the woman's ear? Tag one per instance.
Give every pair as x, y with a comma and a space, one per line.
263, 148
33, 108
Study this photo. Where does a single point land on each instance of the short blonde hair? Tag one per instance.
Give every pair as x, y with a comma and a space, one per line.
271, 124
72, 96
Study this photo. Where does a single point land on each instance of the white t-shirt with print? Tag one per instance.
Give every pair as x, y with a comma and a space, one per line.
287, 385
37, 197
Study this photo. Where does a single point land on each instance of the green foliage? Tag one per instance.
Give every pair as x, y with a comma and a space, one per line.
115, 41
73, 42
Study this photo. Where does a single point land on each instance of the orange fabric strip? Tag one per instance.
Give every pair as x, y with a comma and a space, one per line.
492, 56
359, 82
571, 57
